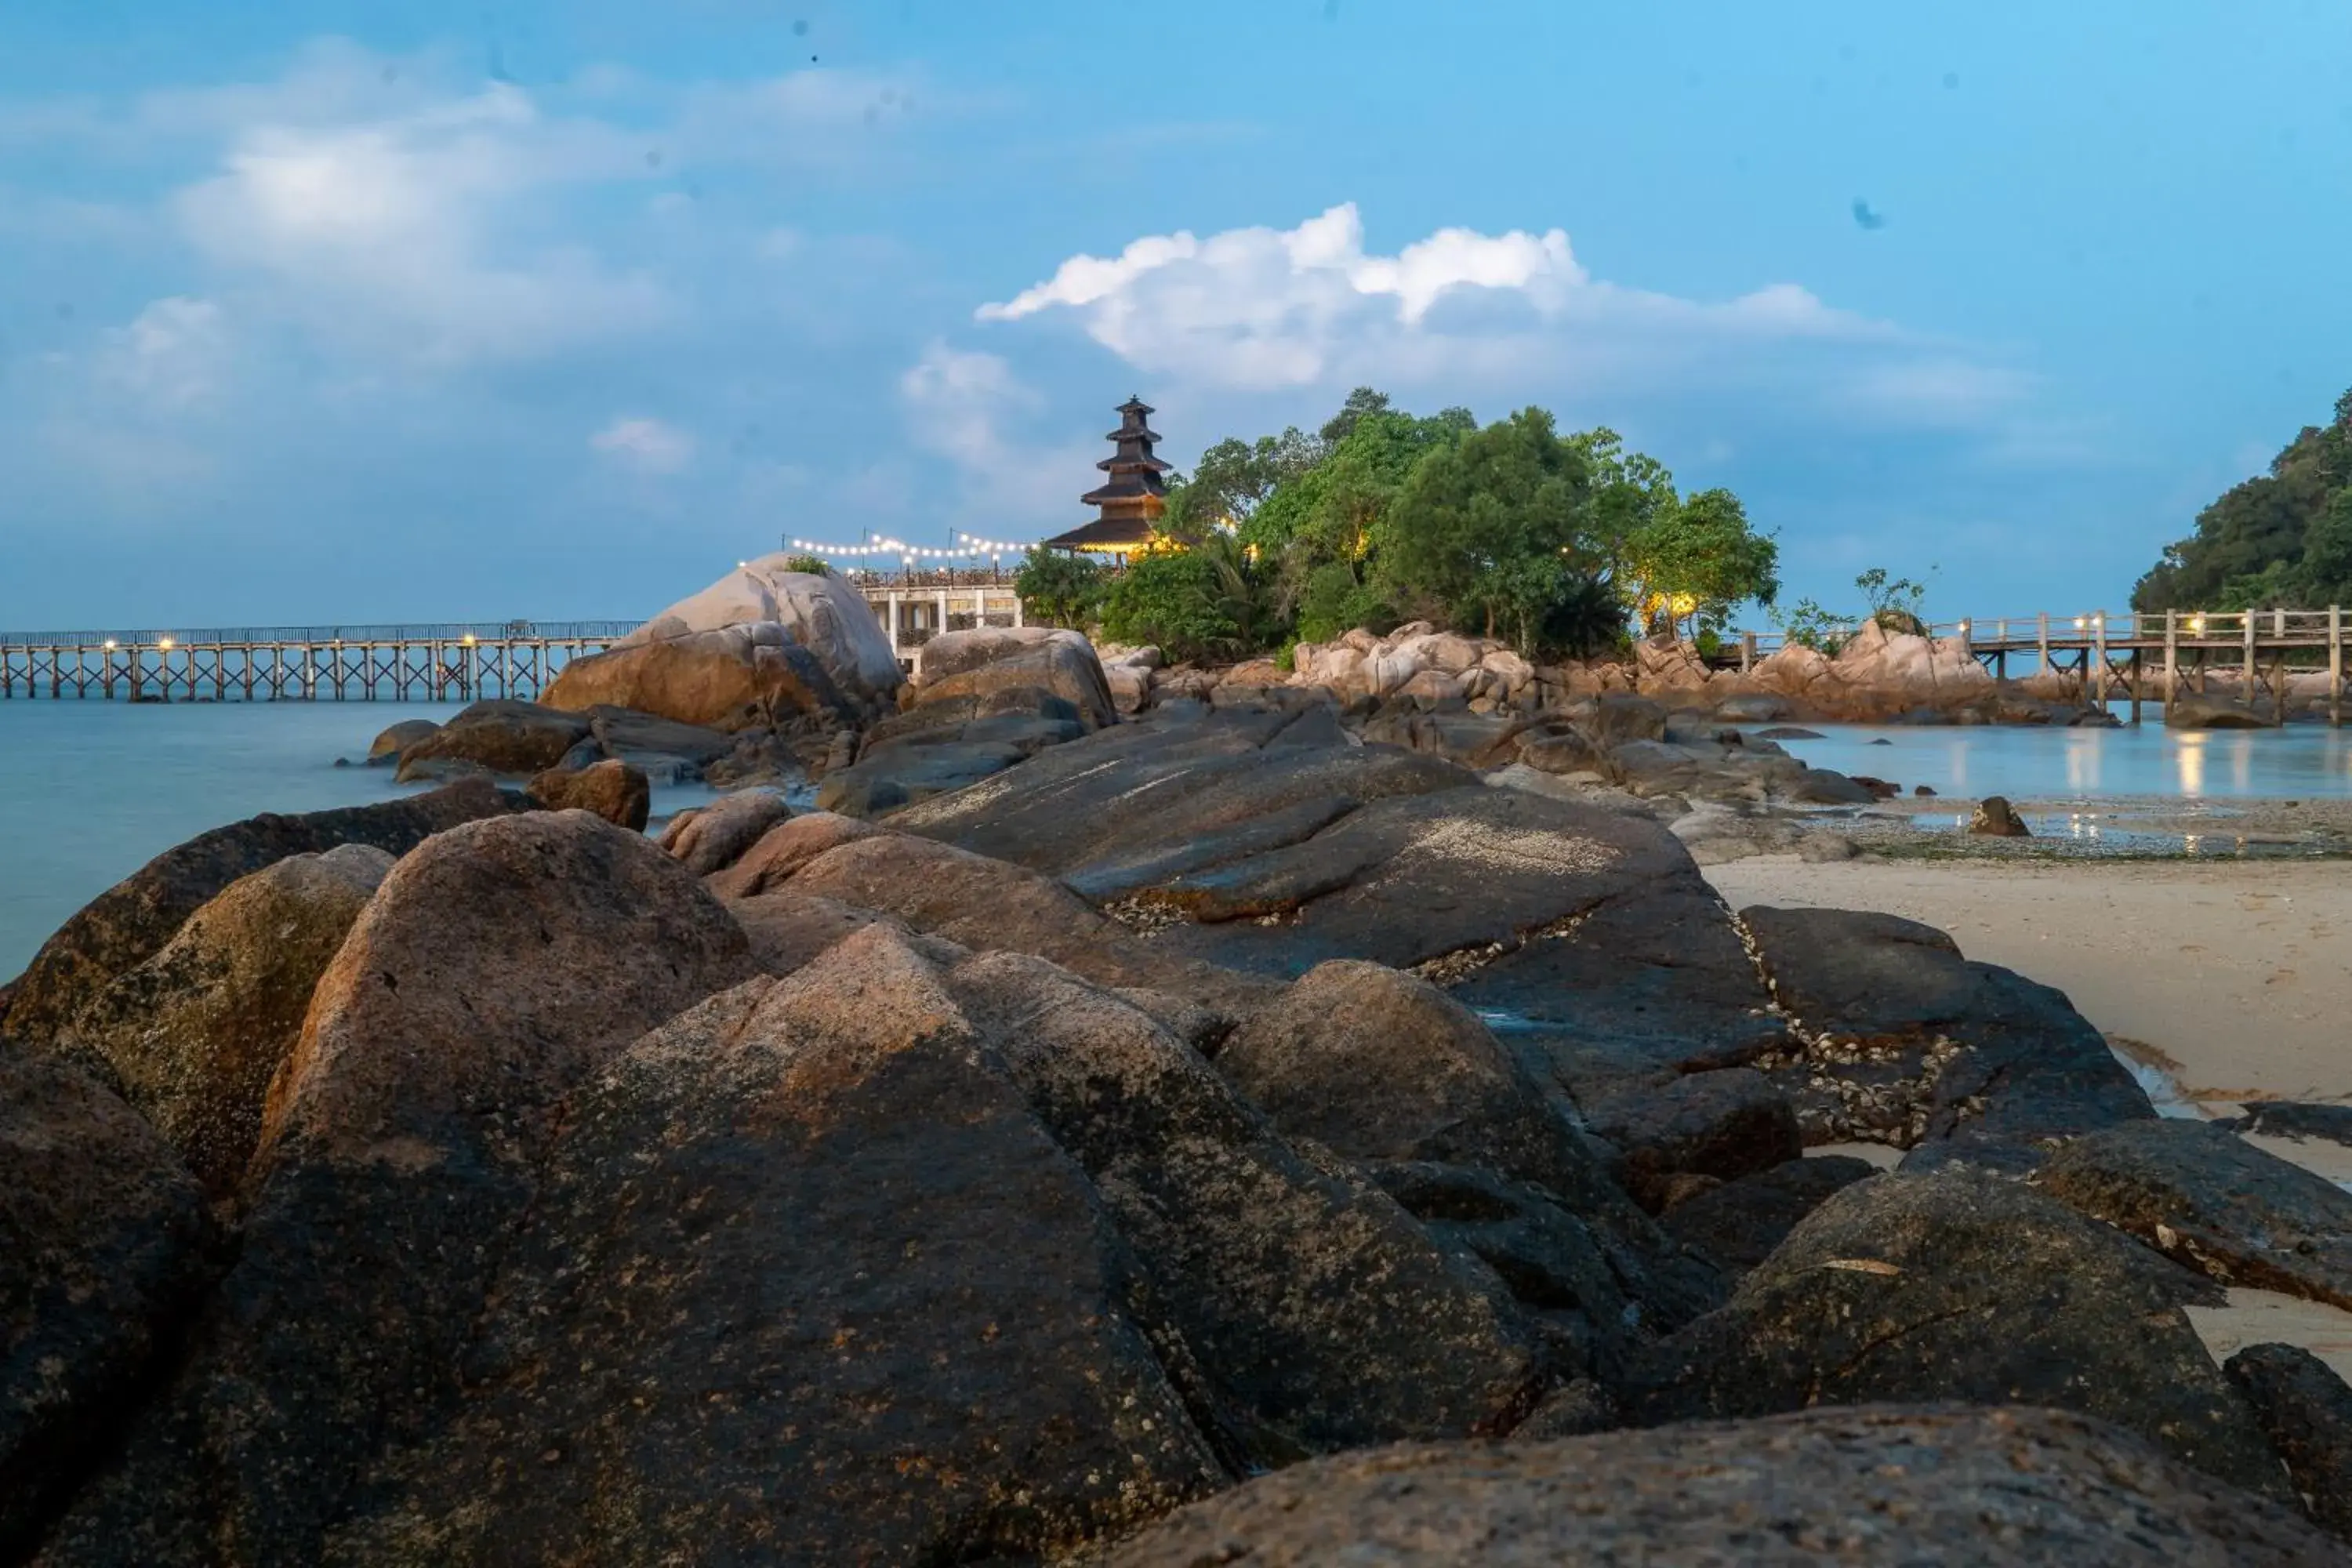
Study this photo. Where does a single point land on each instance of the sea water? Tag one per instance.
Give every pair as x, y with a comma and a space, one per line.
2301, 761
91, 791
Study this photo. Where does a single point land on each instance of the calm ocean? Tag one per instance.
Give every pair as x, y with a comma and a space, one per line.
91, 791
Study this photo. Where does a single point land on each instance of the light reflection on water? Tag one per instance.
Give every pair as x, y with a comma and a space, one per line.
2301, 761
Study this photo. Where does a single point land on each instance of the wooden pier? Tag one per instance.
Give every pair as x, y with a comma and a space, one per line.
457, 662
300, 664
2138, 656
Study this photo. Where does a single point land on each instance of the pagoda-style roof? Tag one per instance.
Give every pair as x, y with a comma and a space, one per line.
1126, 487
1112, 535
1113, 465
1136, 432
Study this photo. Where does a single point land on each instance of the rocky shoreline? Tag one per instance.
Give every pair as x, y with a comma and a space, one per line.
1260, 1128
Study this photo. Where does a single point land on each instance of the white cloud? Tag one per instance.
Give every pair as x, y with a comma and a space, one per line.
399, 234
173, 354
963, 406
1259, 308
648, 446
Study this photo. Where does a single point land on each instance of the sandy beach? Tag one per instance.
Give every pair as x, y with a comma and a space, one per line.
2232, 976
2235, 977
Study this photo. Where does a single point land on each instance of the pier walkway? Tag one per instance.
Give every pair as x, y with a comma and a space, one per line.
2128, 657
2139, 657
426, 663
312, 663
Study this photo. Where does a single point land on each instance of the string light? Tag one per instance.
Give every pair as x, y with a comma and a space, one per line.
909, 554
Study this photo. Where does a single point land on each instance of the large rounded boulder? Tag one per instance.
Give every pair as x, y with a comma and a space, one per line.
194, 1035
990, 660
1919, 1485
763, 644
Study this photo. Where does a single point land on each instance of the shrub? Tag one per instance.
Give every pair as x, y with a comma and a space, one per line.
1059, 590
814, 565
1334, 602
1175, 601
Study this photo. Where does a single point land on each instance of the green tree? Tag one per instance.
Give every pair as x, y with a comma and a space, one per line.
1695, 559
1364, 400
1059, 590
2254, 544
1232, 479
1491, 531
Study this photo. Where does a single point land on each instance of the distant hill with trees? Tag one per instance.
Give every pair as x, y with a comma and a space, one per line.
2282, 539
1561, 544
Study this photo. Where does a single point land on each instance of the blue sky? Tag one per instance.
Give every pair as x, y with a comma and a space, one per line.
352, 311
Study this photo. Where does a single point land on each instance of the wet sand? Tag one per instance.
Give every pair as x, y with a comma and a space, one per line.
2235, 977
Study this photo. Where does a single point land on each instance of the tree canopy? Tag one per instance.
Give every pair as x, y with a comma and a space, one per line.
2280, 539
1554, 542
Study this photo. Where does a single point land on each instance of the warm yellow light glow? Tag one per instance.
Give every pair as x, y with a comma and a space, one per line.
469, 639
164, 643
109, 645
2197, 625
2080, 623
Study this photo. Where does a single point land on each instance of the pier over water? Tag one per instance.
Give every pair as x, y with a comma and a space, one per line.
446, 662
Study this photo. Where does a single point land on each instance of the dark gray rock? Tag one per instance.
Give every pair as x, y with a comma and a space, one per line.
1959, 1285
193, 1037
500, 964
1317, 1314
497, 735
1380, 1065
1925, 1487
1572, 1410
2306, 1410
711, 838
103, 1261
385, 749
616, 791
988, 905
1906, 1042
627, 734
1618, 716
131, 922
1602, 1282
1993, 819
941, 1366
1726, 1124
2289, 1118
1820, 786
902, 775
1560, 749
2204, 1195
1739, 1224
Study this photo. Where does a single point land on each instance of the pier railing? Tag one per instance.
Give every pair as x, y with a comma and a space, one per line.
438, 661
2133, 655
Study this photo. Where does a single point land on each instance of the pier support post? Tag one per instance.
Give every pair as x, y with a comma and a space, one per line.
2042, 639
2171, 658
2335, 666
2099, 658
2246, 690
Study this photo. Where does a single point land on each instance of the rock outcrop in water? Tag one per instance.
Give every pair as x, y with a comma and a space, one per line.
1019, 1173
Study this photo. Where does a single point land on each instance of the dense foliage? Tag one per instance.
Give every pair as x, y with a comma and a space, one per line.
2280, 539
1556, 544
1059, 590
